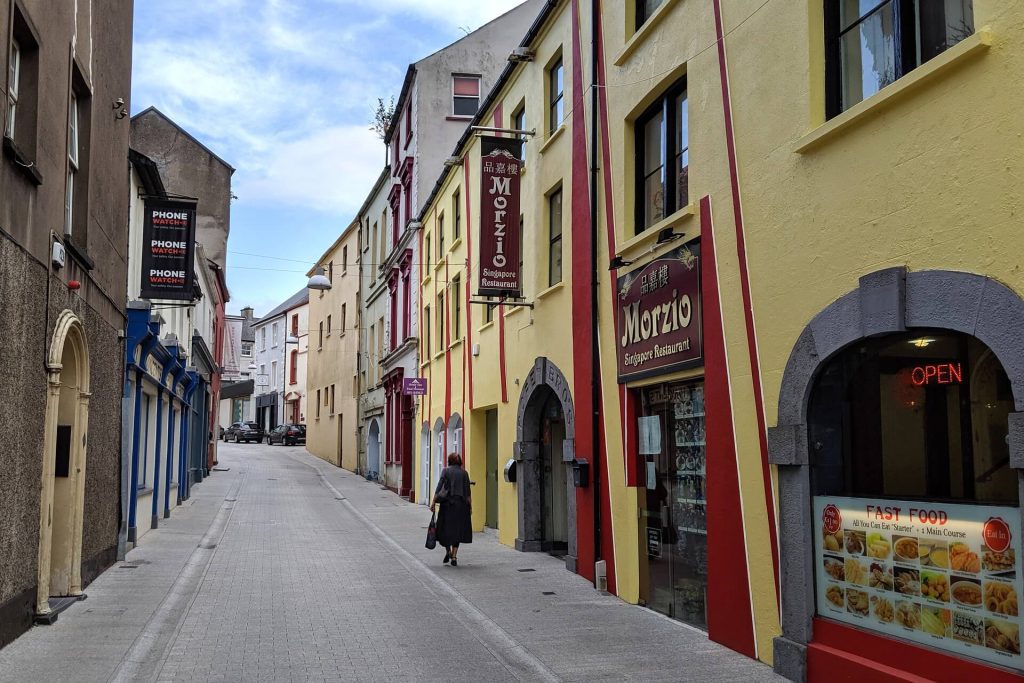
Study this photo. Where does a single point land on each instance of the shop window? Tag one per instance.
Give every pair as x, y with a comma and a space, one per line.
920, 415
662, 158
916, 524
465, 95
674, 523
872, 44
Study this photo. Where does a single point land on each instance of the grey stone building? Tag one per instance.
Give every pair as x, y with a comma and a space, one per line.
63, 259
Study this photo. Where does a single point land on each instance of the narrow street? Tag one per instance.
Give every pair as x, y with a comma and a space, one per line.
284, 568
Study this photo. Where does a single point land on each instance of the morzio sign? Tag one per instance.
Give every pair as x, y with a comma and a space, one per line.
168, 249
499, 217
659, 316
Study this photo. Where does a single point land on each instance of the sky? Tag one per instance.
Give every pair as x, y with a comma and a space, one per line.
284, 91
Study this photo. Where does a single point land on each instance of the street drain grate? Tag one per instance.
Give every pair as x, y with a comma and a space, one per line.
526, 570
548, 593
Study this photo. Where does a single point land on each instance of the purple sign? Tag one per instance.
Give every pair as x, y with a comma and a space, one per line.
414, 386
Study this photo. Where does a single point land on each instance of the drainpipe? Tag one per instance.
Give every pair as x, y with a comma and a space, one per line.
595, 390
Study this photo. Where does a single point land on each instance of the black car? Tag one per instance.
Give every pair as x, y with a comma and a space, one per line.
244, 431
289, 435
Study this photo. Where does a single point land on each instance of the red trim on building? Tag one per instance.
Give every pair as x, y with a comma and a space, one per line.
748, 308
582, 313
468, 231
447, 349
730, 620
502, 374
831, 657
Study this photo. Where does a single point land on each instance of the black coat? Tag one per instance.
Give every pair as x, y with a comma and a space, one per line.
453, 521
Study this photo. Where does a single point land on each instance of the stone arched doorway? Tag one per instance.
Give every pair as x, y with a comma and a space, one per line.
373, 450
62, 496
544, 453
888, 302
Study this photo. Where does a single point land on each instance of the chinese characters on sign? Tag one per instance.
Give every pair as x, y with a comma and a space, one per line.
168, 248
499, 217
947, 576
659, 316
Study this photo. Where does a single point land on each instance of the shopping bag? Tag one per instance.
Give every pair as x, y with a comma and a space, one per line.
432, 533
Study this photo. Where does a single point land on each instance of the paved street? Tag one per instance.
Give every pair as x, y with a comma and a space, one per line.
284, 568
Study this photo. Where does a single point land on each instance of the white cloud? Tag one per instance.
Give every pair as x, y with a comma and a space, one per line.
331, 169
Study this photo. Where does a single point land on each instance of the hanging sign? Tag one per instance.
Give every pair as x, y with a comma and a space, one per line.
499, 217
943, 575
659, 316
168, 249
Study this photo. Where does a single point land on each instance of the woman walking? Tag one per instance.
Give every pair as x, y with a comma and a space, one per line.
453, 523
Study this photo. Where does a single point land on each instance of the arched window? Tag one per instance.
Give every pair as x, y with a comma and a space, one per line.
919, 415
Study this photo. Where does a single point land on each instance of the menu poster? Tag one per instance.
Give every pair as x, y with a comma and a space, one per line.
945, 576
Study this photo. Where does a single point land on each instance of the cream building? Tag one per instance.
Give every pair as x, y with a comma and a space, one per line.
332, 420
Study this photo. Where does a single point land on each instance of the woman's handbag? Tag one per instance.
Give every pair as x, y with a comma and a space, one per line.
432, 533
443, 492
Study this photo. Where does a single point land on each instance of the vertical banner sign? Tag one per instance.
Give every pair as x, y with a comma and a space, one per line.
168, 249
499, 217
660, 316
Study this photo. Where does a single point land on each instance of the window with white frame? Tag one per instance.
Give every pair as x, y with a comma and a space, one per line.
69, 194
273, 335
273, 373
556, 95
13, 83
263, 339
465, 95
247, 349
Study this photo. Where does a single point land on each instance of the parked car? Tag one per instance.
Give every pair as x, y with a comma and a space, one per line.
244, 431
287, 434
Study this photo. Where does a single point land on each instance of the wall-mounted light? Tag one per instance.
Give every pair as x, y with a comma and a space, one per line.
319, 280
618, 262
668, 235
921, 342
521, 54
452, 161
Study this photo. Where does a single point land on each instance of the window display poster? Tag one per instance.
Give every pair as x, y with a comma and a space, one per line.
650, 435
943, 576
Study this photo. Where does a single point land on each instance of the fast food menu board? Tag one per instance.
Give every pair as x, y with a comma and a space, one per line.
944, 576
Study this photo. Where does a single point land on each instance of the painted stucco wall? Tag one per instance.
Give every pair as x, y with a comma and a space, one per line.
528, 334
333, 362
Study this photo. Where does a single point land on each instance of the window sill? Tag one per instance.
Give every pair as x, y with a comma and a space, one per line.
645, 242
489, 323
78, 252
426, 278
440, 264
437, 356
452, 117
24, 164
548, 292
894, 92
642, 33
456, 243
455, 344
512, 310
551, 138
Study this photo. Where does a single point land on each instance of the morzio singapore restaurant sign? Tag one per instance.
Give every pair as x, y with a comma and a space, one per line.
499, 217
659, 316
168, 249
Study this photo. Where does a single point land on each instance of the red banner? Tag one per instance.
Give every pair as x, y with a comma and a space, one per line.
499, 217
659, 318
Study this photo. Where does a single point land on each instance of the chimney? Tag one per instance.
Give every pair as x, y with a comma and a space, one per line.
246, 312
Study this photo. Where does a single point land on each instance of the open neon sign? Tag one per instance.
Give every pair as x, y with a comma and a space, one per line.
937, 373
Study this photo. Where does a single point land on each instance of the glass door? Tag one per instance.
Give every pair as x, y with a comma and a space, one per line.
675, 533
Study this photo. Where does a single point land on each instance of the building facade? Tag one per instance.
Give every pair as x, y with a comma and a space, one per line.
805, 445
279, 362
332, 382
236, 402
190, 170
63, 242
440, 96
373, 314
168, 363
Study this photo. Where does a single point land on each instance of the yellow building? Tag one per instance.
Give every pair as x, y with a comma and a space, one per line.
332, 382
806, 310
